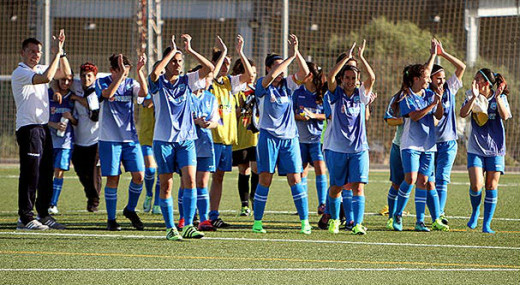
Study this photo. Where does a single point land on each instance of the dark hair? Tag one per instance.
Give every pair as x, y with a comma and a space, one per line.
395, 103
270, 59
494, 79
345, 69
88, 67
238, 66
216, 53
436, 68
343, 55
195, 68
317, 74
114, 61
409, 73
28, 41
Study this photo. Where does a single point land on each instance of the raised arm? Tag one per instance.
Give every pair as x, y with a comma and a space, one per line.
159, 68
433, 54
369, 82
223, 48
274, 72
303, 69
466, 109
64, 67
502, 109
112, 88
141, 77
248, 75
207, 66
331, 78
460, 67
50, 73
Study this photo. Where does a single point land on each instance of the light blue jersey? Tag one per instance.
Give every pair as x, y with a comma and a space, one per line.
172, 102
446, 129
390, 114
117, 113
56, 111
346, 132
275, 105
205, 106
308, 131
420, 135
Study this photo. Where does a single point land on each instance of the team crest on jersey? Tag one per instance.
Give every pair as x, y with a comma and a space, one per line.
493, 106
182, 88
273, 98
356, 99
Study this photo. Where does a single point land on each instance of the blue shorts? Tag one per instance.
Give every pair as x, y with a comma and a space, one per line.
62, 158
311, 152
444, 159
173, 156
272, 152
223, 157
396, 165
418, 161
147, 150
111, 154
206, 164
347, 167
493, 163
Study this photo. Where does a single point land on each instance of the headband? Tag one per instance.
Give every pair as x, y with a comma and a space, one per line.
485, 77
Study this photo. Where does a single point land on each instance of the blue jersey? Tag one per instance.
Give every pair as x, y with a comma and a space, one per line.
490, 139
56, 111
446, 129
116, 120
420, 135
390, 114
326, 105
172, 102
309, 131
276, 110
346, 132
205, 106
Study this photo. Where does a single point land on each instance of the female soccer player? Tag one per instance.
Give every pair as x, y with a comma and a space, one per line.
345, 144
277, 142
486, 143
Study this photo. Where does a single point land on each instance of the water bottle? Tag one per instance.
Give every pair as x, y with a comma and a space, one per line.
65, 121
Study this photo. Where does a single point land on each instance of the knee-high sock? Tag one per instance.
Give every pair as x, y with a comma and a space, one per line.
402, 197
260, 201
475, 198
347, 205
203, 203
56, 190
167, 212
180, 202
111, 202
243, 189
392, 201
321, 188
189, 204
254, 184
299, 193
432, 200
334, 207
327, 204
442, 191
156, 201
420, 204
134, 191
490, 204
149, 177
358, 206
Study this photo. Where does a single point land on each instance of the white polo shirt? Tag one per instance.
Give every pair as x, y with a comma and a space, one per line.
32, 101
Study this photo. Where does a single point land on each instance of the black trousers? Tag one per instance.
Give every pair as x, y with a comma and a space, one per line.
86, 160
36, 171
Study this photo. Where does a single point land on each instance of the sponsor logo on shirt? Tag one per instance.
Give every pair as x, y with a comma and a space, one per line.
121, 98
55, 110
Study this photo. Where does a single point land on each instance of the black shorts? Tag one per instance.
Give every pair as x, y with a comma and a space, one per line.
244, 156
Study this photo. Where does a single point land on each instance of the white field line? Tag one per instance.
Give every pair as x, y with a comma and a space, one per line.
258, 269
264, 240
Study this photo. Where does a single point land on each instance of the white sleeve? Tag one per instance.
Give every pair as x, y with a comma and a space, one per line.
363, 96
236, 86
136, 87
23, 76
506, 103
291, 84
454, 84
195, 82
214, 117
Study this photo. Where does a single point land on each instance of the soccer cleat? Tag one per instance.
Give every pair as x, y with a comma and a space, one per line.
112, 225
384, 211
323, 223
421, 227
180, 224
51, 223
444, 219
92, 208
306, 227
487, 230
53, 210
173, 234
258, 227
349, 226
359, 229
334, 226
219, 223
389, 224
321, 209
245, 211
191, 232
147, 204
397, 223
33, 225
206, 226
156, 210
439, 226
134, 218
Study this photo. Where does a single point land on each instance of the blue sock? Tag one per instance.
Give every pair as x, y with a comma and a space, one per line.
334, 205
111, 202
402, 197
490, 204
347, 205
167, 212
358, 206
189, 204
475, 198
56, 190
260, 201
180, 203
432, 200
392, 201
213, 215
134, 191
304, 183
420, 204
321, 188
299, 193
149, 177
442, 191
156, 201
203, 203
327, 204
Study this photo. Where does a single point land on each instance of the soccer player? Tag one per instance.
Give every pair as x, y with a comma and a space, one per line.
309, 115
486, 144
225, 135
174, 132
118, 140
30, 91
446, 128
278, 139
345, 144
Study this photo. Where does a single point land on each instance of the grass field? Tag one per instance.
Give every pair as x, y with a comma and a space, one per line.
87, 254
